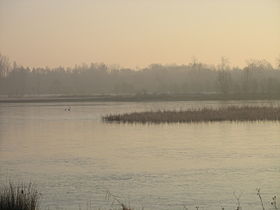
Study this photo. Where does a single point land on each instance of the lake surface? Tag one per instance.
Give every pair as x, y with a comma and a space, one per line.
74, 158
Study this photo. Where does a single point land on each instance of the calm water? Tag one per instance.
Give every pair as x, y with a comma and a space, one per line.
74, 157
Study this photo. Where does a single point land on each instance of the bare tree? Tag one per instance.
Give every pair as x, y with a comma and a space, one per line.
4, 66
278, 62
224, 76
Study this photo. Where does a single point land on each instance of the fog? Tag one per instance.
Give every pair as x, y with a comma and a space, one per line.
258, 76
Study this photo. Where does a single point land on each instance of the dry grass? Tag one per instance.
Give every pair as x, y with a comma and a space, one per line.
18, 197
25, 197
231, 113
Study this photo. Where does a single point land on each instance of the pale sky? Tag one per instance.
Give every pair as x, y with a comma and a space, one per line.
136, 33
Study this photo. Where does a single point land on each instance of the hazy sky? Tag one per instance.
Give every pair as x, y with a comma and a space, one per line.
138, 32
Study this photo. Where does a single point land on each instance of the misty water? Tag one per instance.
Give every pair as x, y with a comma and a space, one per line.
74, 158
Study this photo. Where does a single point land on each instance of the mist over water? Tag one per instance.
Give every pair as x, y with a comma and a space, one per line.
65, 65
74, 158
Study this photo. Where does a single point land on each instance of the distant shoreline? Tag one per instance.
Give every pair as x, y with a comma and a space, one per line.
137, 98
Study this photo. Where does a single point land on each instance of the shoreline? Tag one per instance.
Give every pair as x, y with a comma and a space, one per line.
138, 98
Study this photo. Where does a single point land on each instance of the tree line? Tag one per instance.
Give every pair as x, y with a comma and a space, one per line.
257, 77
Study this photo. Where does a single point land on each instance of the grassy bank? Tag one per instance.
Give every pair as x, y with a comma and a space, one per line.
231, 113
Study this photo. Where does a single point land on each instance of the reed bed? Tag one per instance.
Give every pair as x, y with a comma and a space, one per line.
19, 197
230, 113
25, 197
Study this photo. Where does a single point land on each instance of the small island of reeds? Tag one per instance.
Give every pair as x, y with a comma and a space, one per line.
230, 113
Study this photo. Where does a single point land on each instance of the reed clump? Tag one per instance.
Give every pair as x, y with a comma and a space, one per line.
19, 197
230, 113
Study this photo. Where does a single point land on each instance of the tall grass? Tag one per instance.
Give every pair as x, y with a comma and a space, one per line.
18, 197
25, 197
231, 113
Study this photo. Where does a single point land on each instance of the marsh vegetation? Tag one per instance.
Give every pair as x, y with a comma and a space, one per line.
19, 197
231, 113
26, 197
